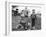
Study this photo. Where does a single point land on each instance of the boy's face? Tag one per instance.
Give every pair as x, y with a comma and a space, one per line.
33, 11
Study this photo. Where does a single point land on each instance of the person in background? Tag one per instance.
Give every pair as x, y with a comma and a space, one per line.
33, 18
15, 12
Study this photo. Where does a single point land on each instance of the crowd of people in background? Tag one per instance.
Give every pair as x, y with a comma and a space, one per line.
26, 22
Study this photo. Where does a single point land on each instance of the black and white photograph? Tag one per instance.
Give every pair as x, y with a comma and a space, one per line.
26, 18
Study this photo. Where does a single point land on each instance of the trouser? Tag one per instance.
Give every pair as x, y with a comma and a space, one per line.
23, 24
33, 22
